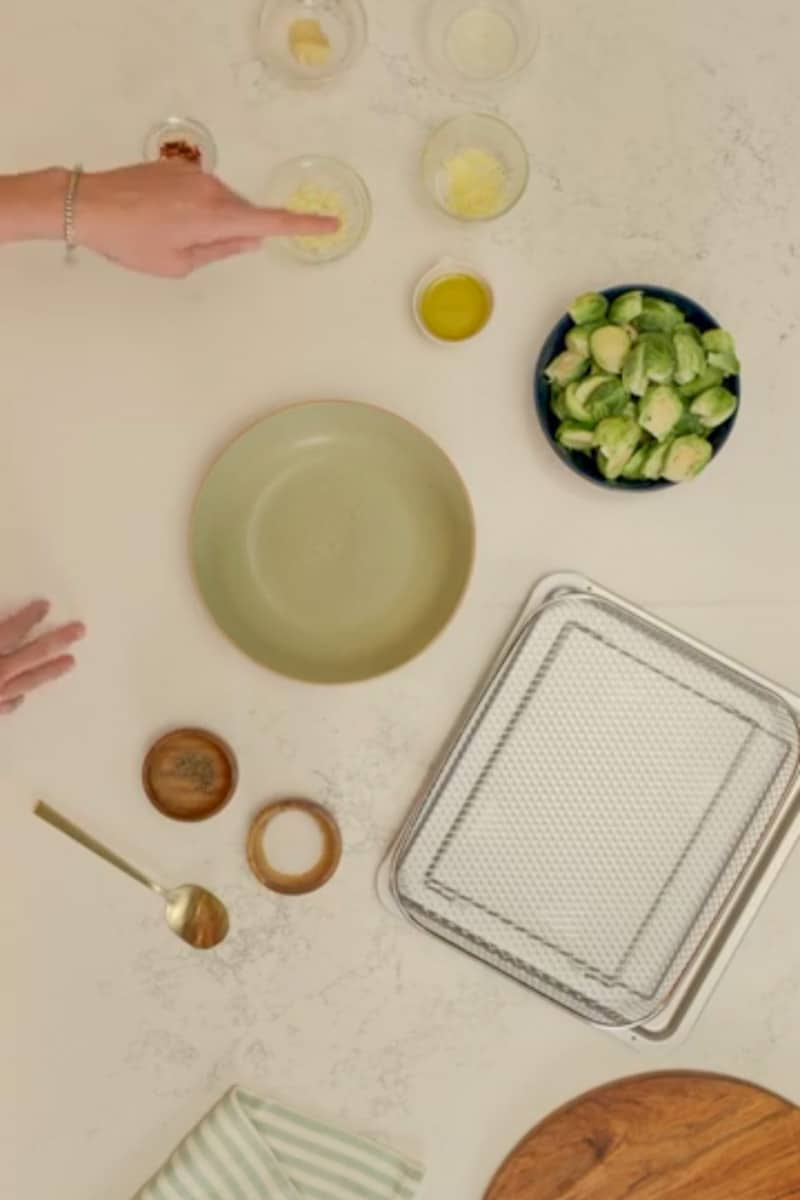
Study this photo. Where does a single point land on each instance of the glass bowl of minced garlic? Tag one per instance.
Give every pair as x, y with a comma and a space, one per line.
329, 188
475, 167
311, 41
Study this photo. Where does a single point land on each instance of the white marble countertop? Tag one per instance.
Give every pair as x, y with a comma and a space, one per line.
663, 141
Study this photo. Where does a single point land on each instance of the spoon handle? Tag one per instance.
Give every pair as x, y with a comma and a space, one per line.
84, 839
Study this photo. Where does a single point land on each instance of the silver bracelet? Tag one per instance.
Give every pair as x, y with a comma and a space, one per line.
69, 212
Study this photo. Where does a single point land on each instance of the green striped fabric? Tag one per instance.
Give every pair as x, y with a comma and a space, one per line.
252, 1149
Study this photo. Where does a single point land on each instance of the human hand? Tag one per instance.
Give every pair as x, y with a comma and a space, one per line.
167, 218
25, 665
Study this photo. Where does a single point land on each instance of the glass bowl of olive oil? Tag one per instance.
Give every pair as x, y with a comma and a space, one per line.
452, 302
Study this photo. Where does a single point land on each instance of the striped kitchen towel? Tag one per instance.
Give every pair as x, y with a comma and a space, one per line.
252, 1149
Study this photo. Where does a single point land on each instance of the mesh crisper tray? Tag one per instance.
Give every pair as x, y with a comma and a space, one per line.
601, 805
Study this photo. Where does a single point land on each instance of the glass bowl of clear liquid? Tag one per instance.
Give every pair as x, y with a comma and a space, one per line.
476, 43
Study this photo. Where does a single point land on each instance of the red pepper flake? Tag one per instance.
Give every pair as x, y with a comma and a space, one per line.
180, 149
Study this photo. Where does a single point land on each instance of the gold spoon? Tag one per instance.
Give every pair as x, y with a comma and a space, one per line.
195, 914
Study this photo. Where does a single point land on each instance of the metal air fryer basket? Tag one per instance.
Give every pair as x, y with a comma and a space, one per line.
614, 793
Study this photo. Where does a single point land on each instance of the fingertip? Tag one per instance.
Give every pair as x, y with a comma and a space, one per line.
72, 632
282, 222
313, 221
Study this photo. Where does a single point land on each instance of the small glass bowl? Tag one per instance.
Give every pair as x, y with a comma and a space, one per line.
181, 129
343, 24
342, 193
475, 43
444, 269
468, 133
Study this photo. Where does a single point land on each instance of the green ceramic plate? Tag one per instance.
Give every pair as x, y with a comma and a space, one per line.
332, 541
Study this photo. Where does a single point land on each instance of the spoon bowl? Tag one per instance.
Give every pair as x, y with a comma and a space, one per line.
196, 915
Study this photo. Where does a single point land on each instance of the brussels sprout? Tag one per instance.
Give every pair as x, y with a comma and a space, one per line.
708, 379
655, 458
591, 306
659, 357
616, 439
658, 316
714, 406
633, 467
689, 423
607, 400
724, 361
609, 345
557, 403
625, 307
691, 330
577, 396
616, 431
573, 436
577, 338
660, 411
686, 458
612, 463
632, 332
690, 357
566, 367
634, 370
719, 339
721, 350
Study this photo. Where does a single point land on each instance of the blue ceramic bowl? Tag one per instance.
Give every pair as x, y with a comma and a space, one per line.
584, 464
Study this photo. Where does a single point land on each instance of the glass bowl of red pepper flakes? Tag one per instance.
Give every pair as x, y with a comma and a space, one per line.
181, 139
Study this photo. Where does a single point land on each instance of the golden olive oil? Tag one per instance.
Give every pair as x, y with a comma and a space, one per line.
455, 307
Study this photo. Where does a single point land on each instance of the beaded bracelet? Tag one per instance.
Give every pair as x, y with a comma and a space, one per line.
69, 212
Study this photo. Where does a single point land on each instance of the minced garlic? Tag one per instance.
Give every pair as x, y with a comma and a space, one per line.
324, 202
476, 183
309, 43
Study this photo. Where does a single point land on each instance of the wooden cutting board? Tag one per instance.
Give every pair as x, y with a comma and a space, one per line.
670, 1136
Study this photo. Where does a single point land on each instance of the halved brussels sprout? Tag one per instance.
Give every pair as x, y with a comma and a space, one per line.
660, 411
566, 367
714, 406
625, 307
609, 345
634, 371
690, 357
590, 306
573, 436
658, 316
686, 458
